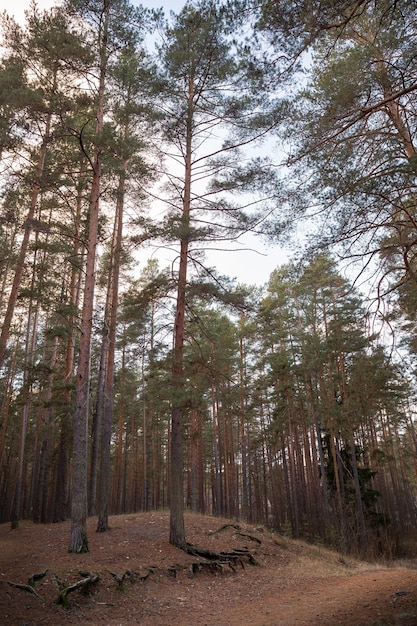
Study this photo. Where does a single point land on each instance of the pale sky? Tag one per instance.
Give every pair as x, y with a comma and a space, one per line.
17, 7
252, 268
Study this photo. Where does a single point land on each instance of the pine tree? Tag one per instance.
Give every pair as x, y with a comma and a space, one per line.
41, 55
107, 28
132, 111
354, 151
42, 52
202, 90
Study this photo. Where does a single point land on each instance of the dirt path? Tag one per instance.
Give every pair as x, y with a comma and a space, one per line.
291, 585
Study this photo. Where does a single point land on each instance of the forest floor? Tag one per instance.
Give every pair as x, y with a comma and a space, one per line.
290, 583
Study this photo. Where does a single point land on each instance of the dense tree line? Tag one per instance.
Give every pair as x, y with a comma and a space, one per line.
126, 388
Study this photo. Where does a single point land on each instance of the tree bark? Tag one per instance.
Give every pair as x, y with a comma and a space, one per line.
20, 264
109, 341
78, 537
177, 530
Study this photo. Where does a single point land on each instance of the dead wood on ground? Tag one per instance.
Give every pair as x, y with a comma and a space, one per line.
27, 588
237, 528
131, 576
89, 578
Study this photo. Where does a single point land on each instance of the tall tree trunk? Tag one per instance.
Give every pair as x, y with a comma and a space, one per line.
5, 405
351, 445
360, 515
61, 490
119, 472
29, 351
272, 476
216, 464
41, 466
78, 535
176, 525
20, 264
109, 342
243, 431
196, 478
96, 428
78, 538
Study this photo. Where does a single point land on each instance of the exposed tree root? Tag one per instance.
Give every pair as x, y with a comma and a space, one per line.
213, 567
132, 576
213, 563
210, 562
30, 587
27, 588
35, 578
235, 555
250, 537
237, 528
89, 578
216, 562
223, 527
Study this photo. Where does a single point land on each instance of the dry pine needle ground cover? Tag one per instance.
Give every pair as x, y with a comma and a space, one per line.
143, 580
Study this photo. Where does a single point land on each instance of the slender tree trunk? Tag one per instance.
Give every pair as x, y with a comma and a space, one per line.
96, 427
110, 345
5, 405
363, 535
29, 350
78, 536
360, 515
216, 464
41, 476
146, 481
7, 264
176, 527
320, 488
272, 481
119, 472
61, 490
5, 331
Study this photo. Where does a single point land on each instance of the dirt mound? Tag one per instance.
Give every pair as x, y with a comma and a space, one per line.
143, 580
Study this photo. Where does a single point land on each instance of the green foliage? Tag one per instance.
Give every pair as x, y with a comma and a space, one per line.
298, 24
369, 495
275, 383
